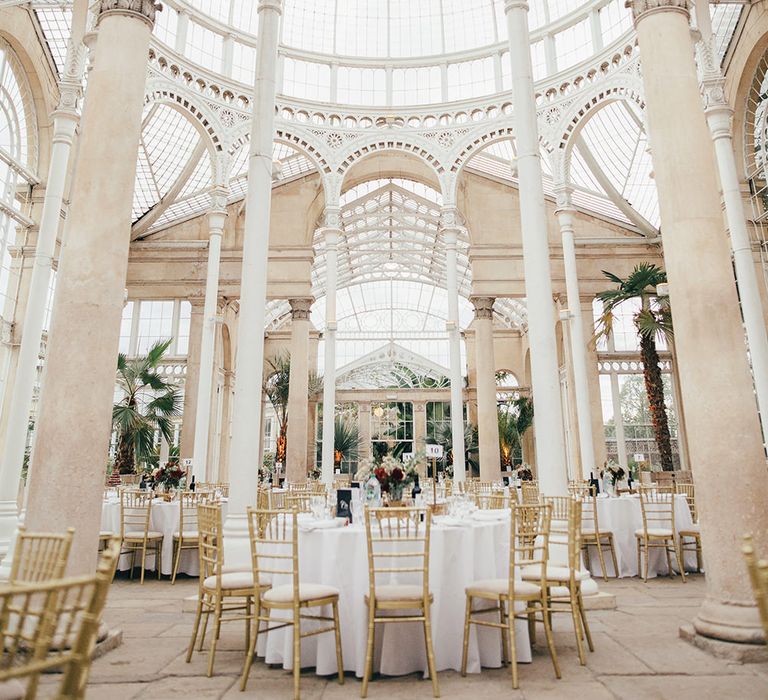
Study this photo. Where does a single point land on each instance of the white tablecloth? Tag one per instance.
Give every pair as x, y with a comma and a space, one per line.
623, 517
458, 556
164, 518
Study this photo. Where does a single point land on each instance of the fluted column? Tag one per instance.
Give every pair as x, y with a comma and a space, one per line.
719, 118
545, 375
708, 331
65, 120
245, 447
67, 470
595, 393
449, 225
565, 214
298, 392
192, 379
217, 217
487, 407
332, 236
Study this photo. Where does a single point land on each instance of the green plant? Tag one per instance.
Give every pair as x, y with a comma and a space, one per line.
442, 434
346, 441
515, 417
148, 404
653, 320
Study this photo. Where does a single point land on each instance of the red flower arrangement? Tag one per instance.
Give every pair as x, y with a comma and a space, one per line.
169, 475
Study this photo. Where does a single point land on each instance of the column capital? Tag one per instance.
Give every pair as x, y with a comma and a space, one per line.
641, 8
510, 5
274, 5
144, 10
217, 214
483, 307
300, 308
563, 200
451, 224
331, 236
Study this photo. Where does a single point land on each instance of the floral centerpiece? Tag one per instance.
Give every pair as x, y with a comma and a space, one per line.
524, 472
169, 475
393, 476
613, 473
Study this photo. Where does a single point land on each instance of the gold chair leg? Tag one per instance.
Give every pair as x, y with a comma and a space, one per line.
699, 556
647, 557
369, 649
296, 652
577, 627
248, 618
504, 641
532, 627
176, 562
639, 565
337, 633
143, 560
550, 640
207, 614
680, 559
584, 623
195, 629
430, 650
512, 643
159, 559
465, 643
600, 557
215, 636
670, 573
613, 556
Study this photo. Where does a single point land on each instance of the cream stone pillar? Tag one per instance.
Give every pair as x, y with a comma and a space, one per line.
217, 217
565, 214
449, 225
708, 331
419, 426
332, 237
595, 392
719, 118
247, 414
67, 471
298, 392
192, 381
364, 424
487, 408
65, 120
545, 375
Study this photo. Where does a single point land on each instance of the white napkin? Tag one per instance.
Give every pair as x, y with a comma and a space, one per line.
310, 525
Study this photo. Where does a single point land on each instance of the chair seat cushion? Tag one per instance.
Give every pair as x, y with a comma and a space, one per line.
151, 535
554, 573
12, 690
234, 580
307, 592
654, 532
104, 534
500, 587
692, 529
391, 592
188, 536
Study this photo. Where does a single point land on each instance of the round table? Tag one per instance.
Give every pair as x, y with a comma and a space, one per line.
164, 517
623, 517
459, 555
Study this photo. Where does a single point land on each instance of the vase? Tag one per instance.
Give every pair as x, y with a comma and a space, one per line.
395, 497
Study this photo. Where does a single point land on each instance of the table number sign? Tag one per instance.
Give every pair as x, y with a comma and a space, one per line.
344, 504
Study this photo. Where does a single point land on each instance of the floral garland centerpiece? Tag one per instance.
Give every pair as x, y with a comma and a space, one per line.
393, 476
169, 476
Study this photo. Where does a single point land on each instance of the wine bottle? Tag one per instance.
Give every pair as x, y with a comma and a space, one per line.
416, 488
192, 483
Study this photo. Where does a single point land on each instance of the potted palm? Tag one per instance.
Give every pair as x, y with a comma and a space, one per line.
653, 320
148, 403
346, 441
515, 417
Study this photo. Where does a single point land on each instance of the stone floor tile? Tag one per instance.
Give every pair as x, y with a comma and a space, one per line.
737, 687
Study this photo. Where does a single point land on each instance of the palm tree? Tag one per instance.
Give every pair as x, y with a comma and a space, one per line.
515, 417
277, 388
442, 434
653, 320
147, 405
346, 441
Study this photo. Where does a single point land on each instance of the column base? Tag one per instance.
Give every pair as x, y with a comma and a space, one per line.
237, 542
9, 525
730, 651
729, 622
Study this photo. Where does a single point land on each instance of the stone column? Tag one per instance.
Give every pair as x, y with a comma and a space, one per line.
719, 118
192, 380
364, 423
565, 214
449, 225
298, 392
67, 471
332, 237
65, 120
487, 407
247, 414
595, 392
419, 425
545, 376
708, 331
217, 217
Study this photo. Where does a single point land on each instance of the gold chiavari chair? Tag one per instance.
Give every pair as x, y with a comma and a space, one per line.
186, 537
658, 531
398, 548
275, 553
530, 492
220, 592
564, 581
135, 535
39, 557
592, 535
342, 481
528, 547
693, 532
52, 625
475, 486
130, 479
491, 501
302, 502
758, 577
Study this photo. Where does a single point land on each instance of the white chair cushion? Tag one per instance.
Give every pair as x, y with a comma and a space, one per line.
231, 581
392, 592
500, 586
655, 532
191, 535
12, 690
106, 533
694, 527
554, 573
307, 591
139, 535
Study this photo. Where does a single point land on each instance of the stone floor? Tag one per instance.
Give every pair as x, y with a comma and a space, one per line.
638, 655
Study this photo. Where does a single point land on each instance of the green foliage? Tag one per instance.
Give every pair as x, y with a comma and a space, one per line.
515, 418
443, 435
346, 440
148, 404
277, 386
